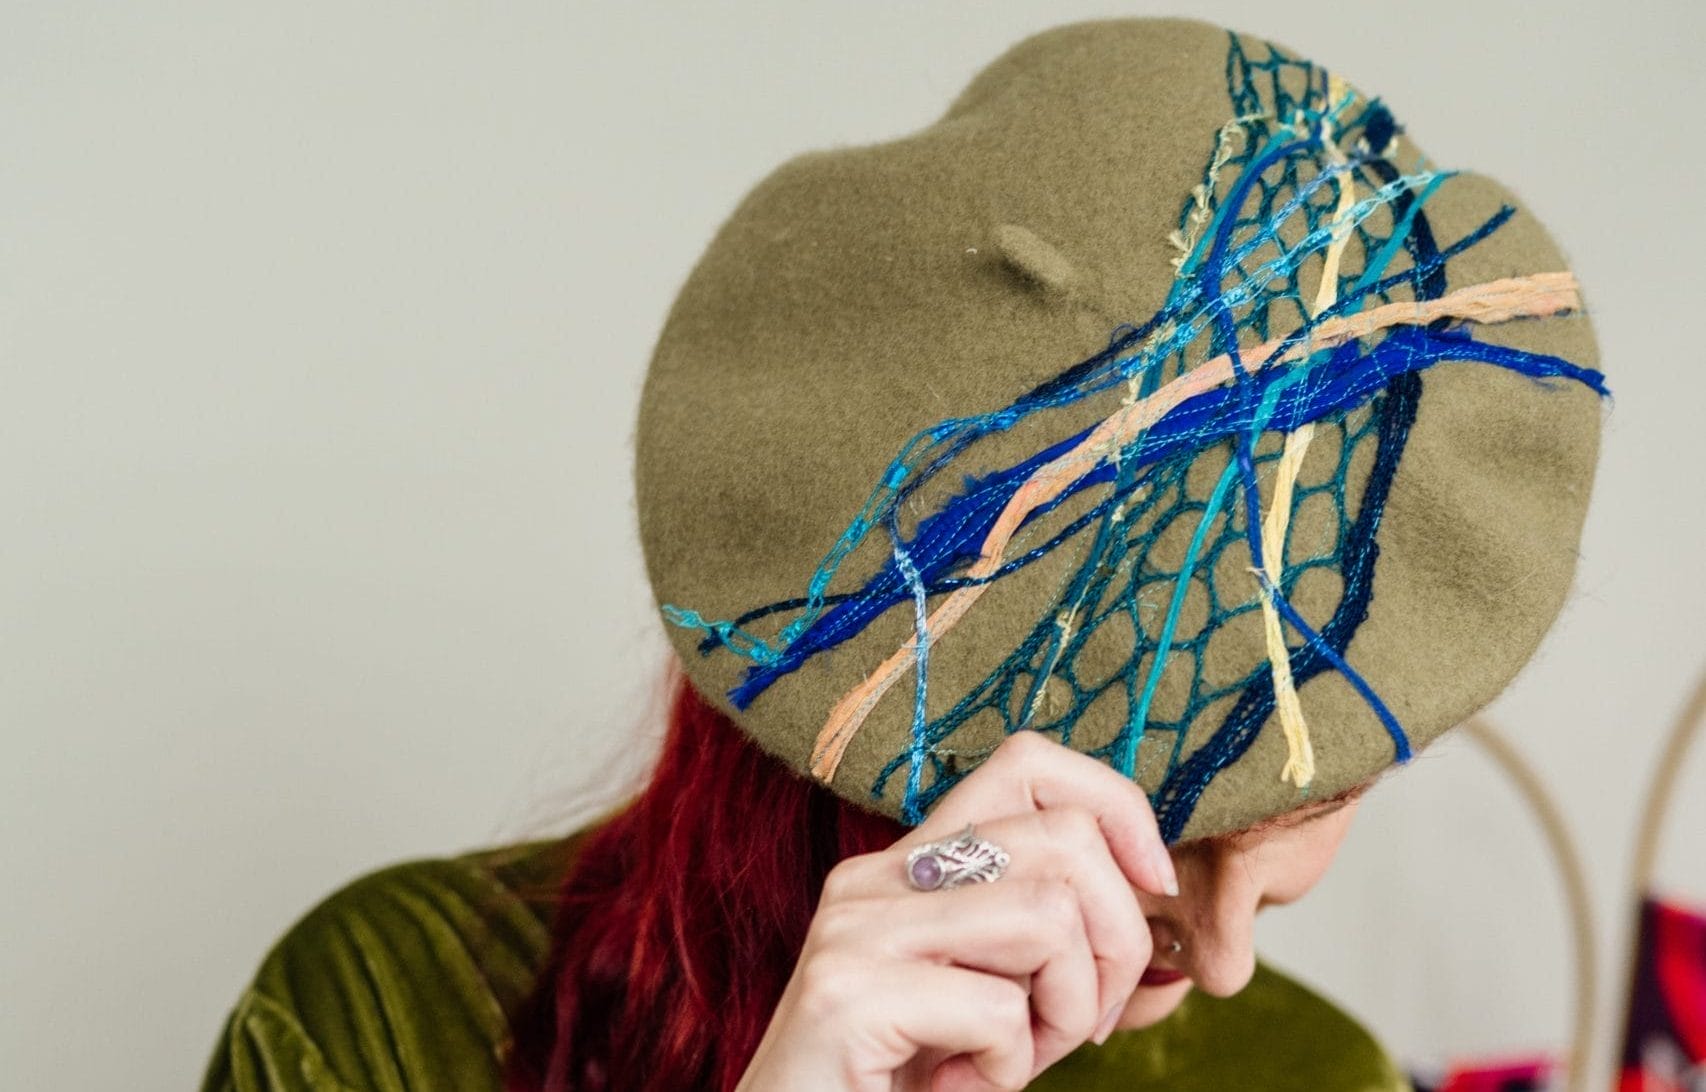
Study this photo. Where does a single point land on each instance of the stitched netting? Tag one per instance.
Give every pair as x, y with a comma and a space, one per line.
1121, 581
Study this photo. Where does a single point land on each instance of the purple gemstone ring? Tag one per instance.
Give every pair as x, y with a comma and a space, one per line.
965, 858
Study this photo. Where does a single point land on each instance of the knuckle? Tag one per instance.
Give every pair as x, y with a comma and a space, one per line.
1025, 746
830, 986
1007, 1012
1057, 906
1073, 827
840, 882
1141, 956
1129, 949
1081, 1022
1009, 1008
835, 923
1124, 971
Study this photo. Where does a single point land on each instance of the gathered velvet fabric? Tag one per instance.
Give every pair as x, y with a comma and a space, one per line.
406, 978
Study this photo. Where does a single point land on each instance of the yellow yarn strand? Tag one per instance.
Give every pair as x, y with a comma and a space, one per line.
1300, 754
1530, 296
1185, 241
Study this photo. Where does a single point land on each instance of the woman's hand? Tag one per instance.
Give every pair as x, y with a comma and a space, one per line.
983, 985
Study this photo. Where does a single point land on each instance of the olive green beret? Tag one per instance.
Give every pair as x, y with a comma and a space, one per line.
1162, 396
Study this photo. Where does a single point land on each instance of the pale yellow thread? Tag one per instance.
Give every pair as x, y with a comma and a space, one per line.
1532, 296
1162, 333
1186, 240
1300, 753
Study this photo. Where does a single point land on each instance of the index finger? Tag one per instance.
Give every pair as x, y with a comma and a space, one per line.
1030, 772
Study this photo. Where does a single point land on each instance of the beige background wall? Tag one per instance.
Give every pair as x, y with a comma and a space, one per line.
320, 334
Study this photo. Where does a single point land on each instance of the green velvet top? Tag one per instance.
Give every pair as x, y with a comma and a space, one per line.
404, 979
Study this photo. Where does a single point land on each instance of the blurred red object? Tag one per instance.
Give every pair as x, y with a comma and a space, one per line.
1664, 1040
1530, 1073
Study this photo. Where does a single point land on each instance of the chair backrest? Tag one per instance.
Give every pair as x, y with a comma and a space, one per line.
1683, 733
1571, 874
1666, 969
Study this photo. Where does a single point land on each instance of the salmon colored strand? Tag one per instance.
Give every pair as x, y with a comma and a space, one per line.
1532, 296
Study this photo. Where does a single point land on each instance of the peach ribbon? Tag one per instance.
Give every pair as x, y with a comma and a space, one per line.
1532, 296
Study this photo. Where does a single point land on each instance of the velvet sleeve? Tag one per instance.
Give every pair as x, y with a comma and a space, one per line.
407, 977
402, 979
1275, 1035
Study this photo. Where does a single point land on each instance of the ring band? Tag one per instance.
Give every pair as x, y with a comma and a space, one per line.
965, 858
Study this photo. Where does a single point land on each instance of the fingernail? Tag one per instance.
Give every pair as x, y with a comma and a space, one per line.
1106, 1027
1163, 862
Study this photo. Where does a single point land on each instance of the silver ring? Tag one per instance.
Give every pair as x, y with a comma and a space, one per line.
1176, 947
965, 858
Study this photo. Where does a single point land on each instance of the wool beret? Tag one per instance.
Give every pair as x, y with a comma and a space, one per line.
1162, 396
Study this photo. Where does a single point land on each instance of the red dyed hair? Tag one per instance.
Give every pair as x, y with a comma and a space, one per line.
681, 919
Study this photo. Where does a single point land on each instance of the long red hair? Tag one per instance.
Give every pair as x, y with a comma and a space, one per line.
680, 921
